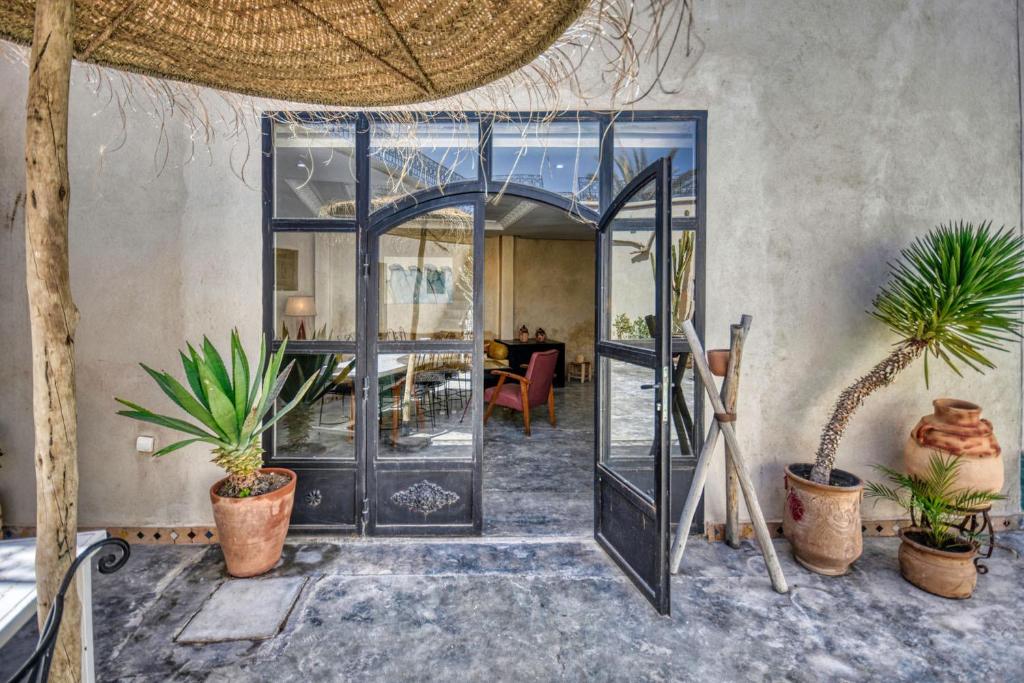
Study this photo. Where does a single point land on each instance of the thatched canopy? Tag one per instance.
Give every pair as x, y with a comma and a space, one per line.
334, 52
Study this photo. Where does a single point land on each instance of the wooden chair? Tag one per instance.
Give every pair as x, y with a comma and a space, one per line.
533, 390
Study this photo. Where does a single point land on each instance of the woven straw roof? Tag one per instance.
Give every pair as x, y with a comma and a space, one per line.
334, 52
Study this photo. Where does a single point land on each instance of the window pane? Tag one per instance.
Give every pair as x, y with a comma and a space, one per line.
632, 300
315, 285
640, 144
426, 277
314, 170
407, 157
425, 404
628, 448
560, 156
322, 425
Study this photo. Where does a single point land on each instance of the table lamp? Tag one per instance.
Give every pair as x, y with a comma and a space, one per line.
301, 307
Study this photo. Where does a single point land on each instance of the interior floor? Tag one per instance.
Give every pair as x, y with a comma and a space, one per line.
543, 484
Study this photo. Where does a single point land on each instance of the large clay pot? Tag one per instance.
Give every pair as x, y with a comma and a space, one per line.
956, 428
822, 523
252, 530
950, 574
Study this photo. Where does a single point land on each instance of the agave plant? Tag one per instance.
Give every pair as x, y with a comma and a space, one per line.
934, 504
954, 295
229, 408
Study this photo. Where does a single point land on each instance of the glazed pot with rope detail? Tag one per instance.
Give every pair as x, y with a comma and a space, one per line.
822, 522
957, 429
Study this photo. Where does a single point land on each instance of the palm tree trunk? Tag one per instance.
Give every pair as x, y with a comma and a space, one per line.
851, 399
52, 320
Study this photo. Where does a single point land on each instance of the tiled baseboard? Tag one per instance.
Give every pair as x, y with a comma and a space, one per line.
874, 527
148, 535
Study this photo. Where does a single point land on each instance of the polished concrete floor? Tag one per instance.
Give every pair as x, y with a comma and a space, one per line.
520, 610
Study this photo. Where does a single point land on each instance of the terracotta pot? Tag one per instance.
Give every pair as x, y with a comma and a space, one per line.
822, 523
718, 361
946, 573
957, 429
252, 530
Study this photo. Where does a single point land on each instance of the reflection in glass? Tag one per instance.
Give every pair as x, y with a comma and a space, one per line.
406, 157
559, 156
628, 449
314, 170
426, 277
640, 144
683, 396
315, 285
425, 405
322, 424
632, 299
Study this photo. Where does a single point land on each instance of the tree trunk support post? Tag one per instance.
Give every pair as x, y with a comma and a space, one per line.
52, 321
700, 475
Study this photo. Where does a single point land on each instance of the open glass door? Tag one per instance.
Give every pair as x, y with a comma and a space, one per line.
634, 378
424, 392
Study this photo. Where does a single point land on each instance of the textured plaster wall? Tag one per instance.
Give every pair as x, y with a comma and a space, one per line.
837, 132
554, 289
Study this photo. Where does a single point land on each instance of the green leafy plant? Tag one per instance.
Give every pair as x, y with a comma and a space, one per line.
954, 294
228, 407
934, 503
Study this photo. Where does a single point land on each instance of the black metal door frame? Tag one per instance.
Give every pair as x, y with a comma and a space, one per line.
632, 529
323, 480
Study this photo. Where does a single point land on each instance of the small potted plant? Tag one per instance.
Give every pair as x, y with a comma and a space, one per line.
953, 295
253, 504
936, 555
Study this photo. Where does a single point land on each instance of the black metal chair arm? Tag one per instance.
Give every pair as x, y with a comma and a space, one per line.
37, 667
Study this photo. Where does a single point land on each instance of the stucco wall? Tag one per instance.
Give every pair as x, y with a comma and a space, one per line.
837, 131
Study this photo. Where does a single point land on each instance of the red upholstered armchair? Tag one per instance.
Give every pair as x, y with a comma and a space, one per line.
532, 390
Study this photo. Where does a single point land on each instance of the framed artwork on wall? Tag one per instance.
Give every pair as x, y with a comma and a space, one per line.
286, 270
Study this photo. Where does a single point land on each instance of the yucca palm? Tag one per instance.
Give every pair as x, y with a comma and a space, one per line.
954, 294
933, 501
229, 408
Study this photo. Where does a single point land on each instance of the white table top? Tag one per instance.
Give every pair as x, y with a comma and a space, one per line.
18, 580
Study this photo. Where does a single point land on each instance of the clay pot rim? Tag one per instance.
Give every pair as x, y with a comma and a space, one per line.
804, 481
956, 405
935, 551
276, 493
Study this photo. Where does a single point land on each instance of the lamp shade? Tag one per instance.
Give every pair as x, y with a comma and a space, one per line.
300, 306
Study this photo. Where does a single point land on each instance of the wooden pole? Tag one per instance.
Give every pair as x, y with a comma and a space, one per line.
52, 320
764, 539
730, 389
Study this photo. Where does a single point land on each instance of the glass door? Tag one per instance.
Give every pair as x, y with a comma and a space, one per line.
424, 393
634, 379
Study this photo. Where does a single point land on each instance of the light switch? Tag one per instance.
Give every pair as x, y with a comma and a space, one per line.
144, 444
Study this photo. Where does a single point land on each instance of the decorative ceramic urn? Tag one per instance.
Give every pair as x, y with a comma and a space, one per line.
524, 334
541, 335
956, 428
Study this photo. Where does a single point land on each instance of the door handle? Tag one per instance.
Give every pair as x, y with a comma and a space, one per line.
656, 385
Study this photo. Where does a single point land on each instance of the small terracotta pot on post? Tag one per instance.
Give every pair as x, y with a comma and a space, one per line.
718, 361
252, 530
956, 428
822, 523
947, 573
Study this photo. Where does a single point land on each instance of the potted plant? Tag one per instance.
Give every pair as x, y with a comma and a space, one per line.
953, 295
252, 505
936, 555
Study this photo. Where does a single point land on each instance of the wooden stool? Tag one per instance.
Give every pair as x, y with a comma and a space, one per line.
580, 371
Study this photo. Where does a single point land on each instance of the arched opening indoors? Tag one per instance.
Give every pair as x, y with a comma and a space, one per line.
401, 260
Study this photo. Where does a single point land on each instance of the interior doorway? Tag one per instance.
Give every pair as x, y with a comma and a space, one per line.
539, 273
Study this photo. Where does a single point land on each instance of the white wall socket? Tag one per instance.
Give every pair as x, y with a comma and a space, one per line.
144, 444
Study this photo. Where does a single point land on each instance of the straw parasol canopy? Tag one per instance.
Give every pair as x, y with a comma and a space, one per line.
332, 52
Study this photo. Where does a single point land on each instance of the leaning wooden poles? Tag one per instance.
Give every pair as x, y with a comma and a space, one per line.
52, 319
723, 425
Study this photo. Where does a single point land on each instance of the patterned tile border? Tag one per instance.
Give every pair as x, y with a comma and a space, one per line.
148, 535
873, 527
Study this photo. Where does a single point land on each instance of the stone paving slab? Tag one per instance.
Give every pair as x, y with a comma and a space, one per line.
244, 609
